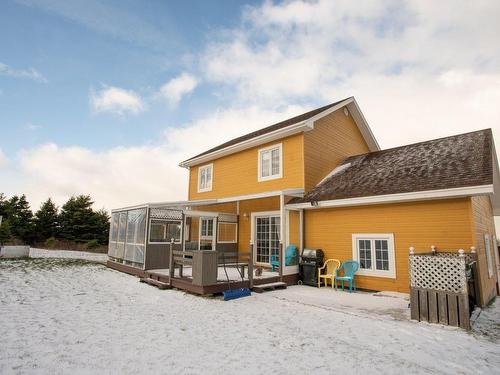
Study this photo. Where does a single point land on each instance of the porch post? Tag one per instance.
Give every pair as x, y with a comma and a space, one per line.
301, 230
282, 234
250, 266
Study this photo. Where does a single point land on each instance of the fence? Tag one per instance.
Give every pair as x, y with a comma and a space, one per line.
439, 287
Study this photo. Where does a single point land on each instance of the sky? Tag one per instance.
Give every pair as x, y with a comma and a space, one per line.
107, 97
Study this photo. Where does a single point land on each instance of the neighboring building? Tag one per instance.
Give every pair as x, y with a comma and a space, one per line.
320, 180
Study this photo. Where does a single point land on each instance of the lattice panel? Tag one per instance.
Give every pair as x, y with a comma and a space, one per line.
228, 218
438, 272
166, 214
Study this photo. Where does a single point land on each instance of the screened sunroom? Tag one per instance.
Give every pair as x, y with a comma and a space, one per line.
141, 236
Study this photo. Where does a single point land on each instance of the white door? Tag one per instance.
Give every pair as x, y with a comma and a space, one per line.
207, 238
266, 238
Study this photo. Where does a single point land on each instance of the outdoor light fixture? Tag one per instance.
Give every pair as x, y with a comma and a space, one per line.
245, 215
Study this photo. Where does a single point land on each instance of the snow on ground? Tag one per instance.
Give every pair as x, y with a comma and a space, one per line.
60, 316
68, 254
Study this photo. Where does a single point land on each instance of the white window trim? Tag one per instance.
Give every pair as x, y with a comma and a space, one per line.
218, 232
206, 166
163, 221
207, 219
259, 164
391, 273
489, 258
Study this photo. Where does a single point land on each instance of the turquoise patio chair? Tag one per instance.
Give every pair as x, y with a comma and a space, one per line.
348, 269
290, 257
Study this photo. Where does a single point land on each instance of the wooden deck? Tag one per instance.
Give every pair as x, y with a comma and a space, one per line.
185, 283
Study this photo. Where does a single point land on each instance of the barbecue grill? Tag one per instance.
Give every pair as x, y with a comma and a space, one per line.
310, 261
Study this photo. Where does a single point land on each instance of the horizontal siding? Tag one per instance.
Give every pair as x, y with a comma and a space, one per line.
444, 223
334, 138
483, 223
237, 174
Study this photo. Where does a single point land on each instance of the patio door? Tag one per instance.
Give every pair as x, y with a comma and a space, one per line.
207, 238
266, 233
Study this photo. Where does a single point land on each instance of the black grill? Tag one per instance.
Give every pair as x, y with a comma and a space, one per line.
310, 261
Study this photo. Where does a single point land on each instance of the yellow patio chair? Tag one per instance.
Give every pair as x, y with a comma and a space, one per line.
331, 266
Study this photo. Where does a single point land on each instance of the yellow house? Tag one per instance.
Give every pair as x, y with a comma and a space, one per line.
320, 180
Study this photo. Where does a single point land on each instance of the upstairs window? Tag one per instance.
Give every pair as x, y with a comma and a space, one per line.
205, 178
270, 163
375, 254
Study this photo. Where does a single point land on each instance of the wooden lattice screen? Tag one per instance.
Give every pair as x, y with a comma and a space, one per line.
439, 287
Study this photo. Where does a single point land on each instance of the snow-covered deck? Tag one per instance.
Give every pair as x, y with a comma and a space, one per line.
62, 316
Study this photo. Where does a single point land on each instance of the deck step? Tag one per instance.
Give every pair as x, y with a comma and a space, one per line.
158, 284
267, 287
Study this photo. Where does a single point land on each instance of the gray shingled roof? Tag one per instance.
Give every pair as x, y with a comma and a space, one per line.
457, 161
271, 128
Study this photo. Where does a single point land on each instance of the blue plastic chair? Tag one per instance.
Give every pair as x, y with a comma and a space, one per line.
348, 269
290, 256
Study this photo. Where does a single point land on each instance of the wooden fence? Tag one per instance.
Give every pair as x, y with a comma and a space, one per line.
439, 290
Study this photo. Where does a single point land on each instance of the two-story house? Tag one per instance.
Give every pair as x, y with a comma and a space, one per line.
320, 180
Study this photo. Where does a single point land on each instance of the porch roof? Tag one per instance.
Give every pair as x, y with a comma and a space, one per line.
296, 192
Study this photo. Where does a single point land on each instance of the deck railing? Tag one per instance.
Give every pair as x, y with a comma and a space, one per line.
205, 264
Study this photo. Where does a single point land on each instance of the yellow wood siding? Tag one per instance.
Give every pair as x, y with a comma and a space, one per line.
293, 228
483, 223
236, 174
443, 223
229, 207
334, 138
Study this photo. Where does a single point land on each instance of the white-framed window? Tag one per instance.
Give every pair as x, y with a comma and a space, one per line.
207, 228
227, 233
270, 163
161, 231
375, 254
489, 259
205, 177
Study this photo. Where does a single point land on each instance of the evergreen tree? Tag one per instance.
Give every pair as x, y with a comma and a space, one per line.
20, 218
101, 218
5, 234
46, 221
77, 219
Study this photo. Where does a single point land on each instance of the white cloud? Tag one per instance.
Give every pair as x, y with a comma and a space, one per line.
29, 73
176, 88
130, 175
405, 62
116, 100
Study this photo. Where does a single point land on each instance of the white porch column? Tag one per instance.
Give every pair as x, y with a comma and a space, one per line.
301, 230
282, 229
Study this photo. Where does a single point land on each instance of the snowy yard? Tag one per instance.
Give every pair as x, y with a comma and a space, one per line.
60, 316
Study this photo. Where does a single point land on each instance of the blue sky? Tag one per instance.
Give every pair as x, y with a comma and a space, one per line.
75, 55
107, 97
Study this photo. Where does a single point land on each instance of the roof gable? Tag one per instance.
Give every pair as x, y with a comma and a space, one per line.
280, 129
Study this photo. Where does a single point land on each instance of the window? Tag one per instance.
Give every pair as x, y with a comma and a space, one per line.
375, 254
164, 231
207, 228
205, 178
489, 259
270, 163
227, 233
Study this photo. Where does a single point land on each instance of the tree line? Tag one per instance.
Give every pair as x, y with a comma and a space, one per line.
76, 221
